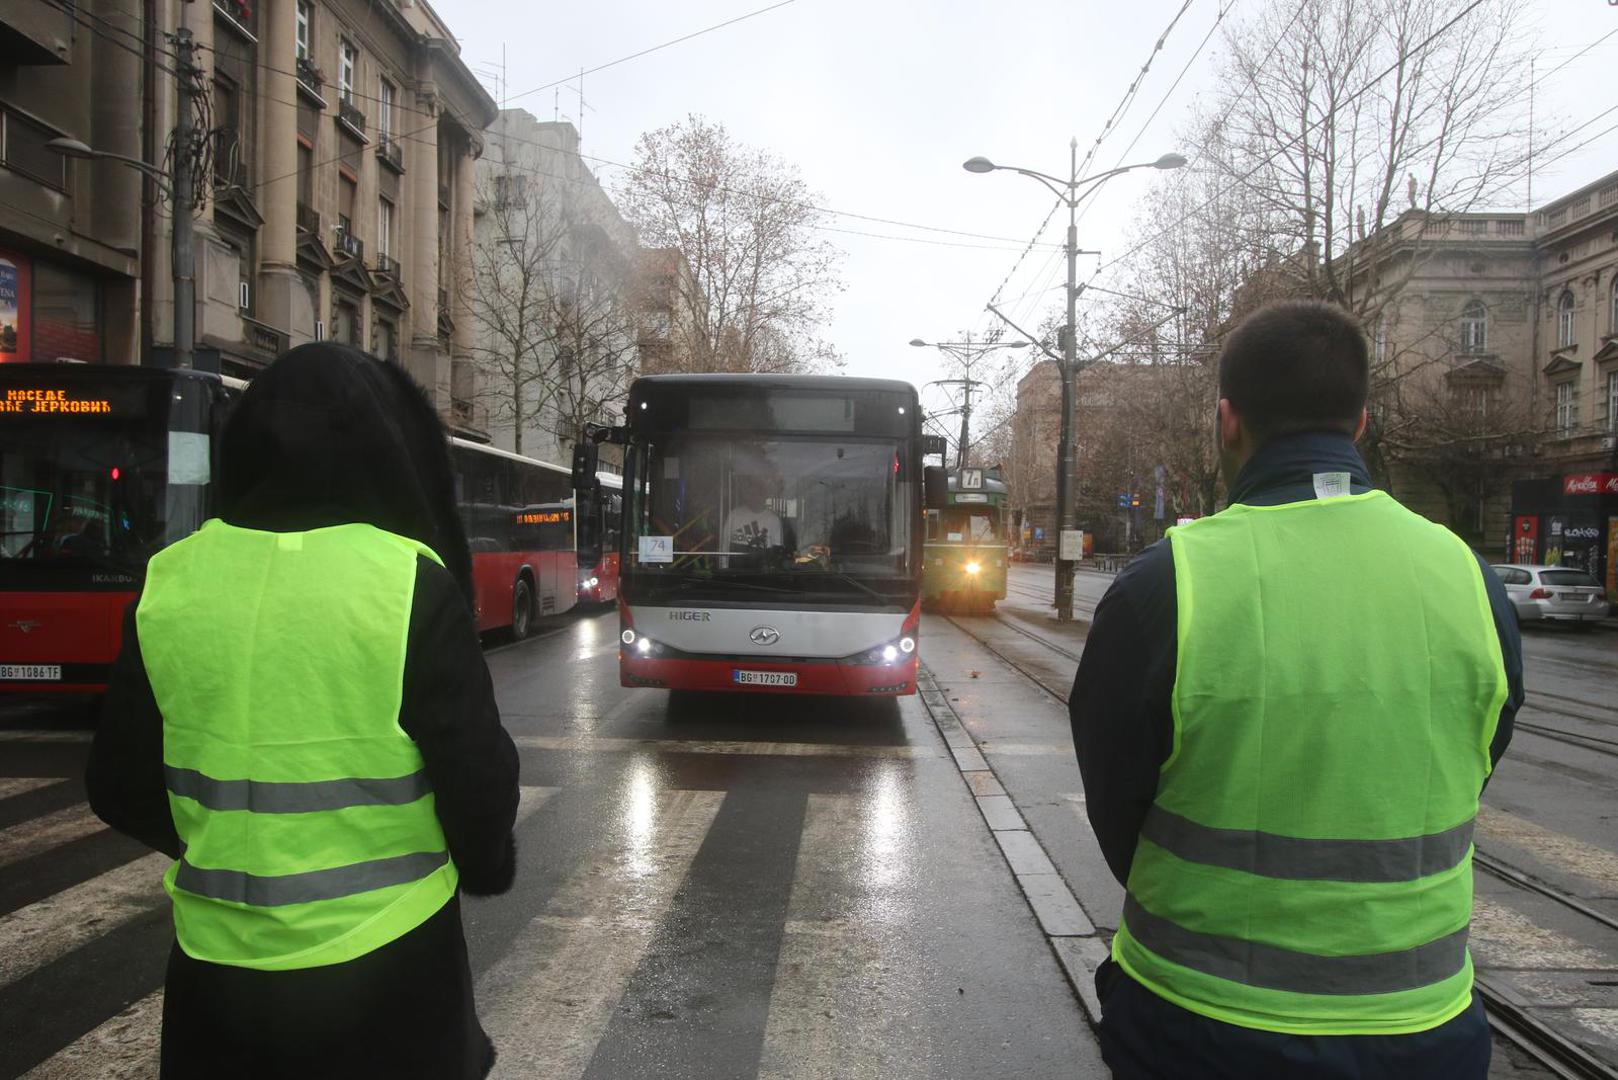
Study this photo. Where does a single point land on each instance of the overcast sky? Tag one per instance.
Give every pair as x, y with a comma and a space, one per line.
879, 101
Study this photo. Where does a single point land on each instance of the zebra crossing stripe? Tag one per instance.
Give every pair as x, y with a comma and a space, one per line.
21, 785
548, 1000
123, 1048
48, 929
48, 831
603, 744
840, 1005
1564, 852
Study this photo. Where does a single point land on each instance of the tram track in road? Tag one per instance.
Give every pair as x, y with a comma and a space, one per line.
1511, 1016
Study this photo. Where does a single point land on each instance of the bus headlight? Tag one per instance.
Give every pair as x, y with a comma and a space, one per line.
592, 583
973, 568
627, 637
644, 645
889, 652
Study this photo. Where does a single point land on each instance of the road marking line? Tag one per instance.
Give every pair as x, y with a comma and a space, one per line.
47, 831
11, 786
612, 744
123, 1048
1503, 937
48, 929
843, 1000
548, 1000
1603, 1022
531, 797
1550, 847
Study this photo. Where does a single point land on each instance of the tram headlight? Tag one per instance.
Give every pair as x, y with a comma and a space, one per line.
627, 637
973, 568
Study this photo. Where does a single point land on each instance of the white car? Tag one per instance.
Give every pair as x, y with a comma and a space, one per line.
1553, 594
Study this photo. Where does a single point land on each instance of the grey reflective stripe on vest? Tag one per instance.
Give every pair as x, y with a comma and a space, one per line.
310, 886
1272, 967
263, 797
1294, 858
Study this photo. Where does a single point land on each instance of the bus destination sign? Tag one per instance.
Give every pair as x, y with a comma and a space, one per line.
544, 517
50, 400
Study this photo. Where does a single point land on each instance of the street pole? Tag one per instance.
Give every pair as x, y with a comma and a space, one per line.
184, 247
1065, 490
966, 421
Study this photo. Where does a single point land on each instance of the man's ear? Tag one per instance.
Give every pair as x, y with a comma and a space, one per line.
1230, 424
1359, 429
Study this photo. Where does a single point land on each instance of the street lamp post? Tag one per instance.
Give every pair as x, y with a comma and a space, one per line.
1067, 364
965, 352
179, 188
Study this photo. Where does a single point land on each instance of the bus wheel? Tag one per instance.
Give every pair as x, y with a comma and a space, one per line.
522, 609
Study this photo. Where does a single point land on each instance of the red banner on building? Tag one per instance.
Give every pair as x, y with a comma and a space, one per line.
1604, 483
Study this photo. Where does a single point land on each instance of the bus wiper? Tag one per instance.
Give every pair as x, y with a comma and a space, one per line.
858, 584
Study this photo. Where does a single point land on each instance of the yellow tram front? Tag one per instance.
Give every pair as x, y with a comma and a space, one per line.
965, 551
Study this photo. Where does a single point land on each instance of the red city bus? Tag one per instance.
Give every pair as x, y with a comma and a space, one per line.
519, 518
601, 516
100, 467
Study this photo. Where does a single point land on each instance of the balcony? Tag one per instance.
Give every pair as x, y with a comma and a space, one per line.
344, 242
310, 80
238, 15
349, 115
389, 152
387, 268
308, 219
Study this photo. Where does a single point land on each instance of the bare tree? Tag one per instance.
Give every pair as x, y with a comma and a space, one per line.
760, 278
1357, 124
553, 304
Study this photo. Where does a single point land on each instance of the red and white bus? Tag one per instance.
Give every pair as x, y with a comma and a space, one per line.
772, 534
100, 467
519, 518
600, 520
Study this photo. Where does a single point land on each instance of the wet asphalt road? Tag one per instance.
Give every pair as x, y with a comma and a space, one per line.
707, 887
760, 886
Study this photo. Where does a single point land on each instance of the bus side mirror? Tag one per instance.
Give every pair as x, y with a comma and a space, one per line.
586, 456
935, 486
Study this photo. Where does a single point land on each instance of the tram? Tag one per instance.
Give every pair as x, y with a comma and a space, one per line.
771, 537
966, 551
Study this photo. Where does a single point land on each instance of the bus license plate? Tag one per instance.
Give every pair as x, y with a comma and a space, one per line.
31, 672
765, 678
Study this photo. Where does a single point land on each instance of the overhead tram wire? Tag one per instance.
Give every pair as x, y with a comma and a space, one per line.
137, 48
559, 82
1399, 61
1117, 114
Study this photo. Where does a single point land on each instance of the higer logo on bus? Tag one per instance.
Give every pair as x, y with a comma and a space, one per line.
689, 616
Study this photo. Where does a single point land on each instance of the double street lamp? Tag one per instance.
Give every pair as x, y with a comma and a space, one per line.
1067, 364
965, 352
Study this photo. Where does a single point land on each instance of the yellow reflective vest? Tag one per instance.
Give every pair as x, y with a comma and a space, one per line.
277, 661
1306, 864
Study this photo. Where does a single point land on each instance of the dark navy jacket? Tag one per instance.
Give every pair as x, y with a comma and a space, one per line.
1123, 730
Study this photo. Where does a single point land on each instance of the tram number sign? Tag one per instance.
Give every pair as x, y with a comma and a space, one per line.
971, 479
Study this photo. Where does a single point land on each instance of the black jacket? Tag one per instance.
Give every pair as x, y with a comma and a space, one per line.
327, 436
1123, 727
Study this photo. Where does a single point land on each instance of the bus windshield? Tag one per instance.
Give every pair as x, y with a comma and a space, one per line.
102, 489
745, 505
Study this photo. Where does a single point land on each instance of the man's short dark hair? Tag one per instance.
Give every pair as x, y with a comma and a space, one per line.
1296, 365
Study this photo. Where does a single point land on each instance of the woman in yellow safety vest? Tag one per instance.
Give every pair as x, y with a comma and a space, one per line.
302, 717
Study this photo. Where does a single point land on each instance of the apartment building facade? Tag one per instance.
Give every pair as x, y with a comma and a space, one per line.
554, 287
338, 141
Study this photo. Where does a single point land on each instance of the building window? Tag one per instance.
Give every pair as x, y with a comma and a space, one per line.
384, 228
1612, 402
1474, 327
347, 64
1567, 408
306, 174
1613, 324
346, 191
301, 35
23, 149
384, 110
345, 322
387, 336
1564, 321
